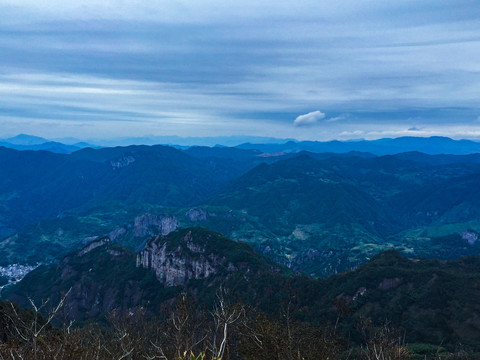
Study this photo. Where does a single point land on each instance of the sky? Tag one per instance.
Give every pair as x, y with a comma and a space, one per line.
315, 70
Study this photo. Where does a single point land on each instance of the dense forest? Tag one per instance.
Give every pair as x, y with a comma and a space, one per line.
155, 252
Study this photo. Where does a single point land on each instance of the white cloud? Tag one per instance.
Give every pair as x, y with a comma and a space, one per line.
181, 64
309, 119
351, 134
338, 118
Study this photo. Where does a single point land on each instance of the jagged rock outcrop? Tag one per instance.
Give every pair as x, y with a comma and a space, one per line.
175, 266
104, 275
470, 236
143, 227
196, 253
117, 234
433, 300
151, 224
196, 214
122, 162
93, 245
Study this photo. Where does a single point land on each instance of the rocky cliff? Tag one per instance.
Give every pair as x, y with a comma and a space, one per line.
101, 277
143, 227
150, 225
197, 253
175, 267
104, 275
432, 300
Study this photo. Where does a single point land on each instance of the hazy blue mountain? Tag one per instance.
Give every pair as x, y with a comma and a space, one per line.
431, 145
29, 142
23, 139
187, 141
317, 212
440, 159
330, 214
301, 191
44, 184
222, 152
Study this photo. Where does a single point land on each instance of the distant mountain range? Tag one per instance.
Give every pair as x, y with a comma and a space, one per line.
432, 145
269, 146
28, 142
185, 142
126, 227
318, 213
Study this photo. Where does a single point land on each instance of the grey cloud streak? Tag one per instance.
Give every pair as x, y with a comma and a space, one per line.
219, 67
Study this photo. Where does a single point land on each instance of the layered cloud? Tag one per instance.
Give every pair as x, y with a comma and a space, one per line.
215, 67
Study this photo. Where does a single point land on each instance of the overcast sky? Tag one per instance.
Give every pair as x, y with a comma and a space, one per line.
303, 69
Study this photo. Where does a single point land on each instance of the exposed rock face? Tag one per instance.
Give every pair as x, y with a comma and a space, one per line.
93, 245
117, 233
88, 240
104, 275
470, 236
150, 225
196, 214
360, 292
122, 162
187, 261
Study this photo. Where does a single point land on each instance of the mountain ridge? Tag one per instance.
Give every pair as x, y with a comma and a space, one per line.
434, 145
431, 300
386, 146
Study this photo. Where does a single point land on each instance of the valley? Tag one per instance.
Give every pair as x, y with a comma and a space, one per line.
317, 213
225, 180
340, 237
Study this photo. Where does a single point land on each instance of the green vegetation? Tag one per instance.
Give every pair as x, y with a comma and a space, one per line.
230, 331
317, 213
295, 217
432, 302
